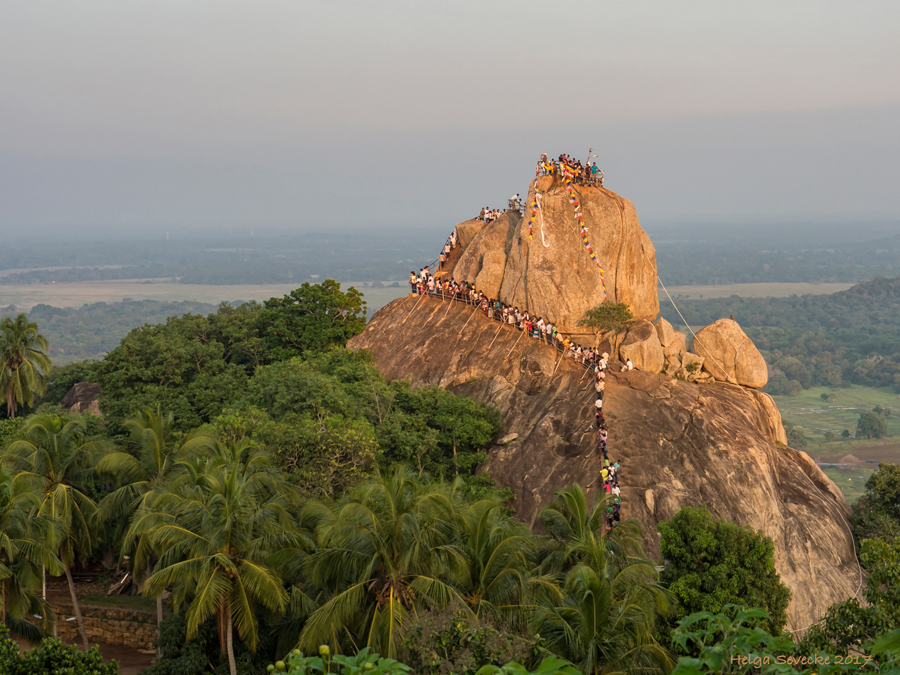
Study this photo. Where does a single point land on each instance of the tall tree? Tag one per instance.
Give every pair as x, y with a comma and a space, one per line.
54, 457
23, 552
311, 318
606, 618
495, 577
24, 362
851, 625
876, 515
713, 563
219, 525
871, 425
143, 478
387, 549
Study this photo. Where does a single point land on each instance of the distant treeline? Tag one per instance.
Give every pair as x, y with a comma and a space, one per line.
91, 331
701, 264
701, 258
816, 340
381, 256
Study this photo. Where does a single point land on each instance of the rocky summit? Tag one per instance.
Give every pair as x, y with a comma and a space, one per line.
688, 428
542, 263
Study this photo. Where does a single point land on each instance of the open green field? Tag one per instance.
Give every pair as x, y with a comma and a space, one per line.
807, 409
852, 482
846, 462
763, 290
24, 297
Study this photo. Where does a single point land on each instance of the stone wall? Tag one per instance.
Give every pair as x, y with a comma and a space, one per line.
105, 625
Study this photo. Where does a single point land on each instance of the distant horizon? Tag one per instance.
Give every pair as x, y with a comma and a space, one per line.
127, 119
869, 224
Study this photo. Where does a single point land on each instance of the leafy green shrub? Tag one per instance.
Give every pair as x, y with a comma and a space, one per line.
452, 640
51, 658
366, 663
363, 663
728, 645
9, 428
202, 655
713, 563
608, 316
549, 666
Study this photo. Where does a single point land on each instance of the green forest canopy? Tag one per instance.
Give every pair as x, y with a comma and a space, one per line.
816, 340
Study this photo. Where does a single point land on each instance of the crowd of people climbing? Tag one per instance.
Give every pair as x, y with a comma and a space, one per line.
609, 471
570, 168
424, 283
444, 256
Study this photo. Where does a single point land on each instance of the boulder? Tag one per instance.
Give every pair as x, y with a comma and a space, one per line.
686, 360
492, 238
466, 231
642, 346
674, 342
491, 274
552, 274
730, 355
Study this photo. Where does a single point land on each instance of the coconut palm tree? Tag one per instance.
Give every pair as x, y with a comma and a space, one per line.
219, 523
24, 362
606, 620
389, 548
577, 527
53, 457
144, 477
23, 552
495, 577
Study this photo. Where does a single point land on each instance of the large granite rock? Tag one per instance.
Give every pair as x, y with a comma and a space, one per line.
673, 342
491, 274
493, 238
730, 355
674, 345
641, 345
679, 443
552, 275
466, 231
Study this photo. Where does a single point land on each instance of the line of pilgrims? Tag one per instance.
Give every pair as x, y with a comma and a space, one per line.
447, 288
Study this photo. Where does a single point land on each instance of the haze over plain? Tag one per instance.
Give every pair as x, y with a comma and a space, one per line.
139, 118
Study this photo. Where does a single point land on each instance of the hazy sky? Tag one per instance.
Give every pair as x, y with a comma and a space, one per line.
144, 116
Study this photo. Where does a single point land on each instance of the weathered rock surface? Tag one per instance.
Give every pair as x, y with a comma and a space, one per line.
674, 342
494, 237
491, 275
642, 346
730, 355
466, 231
687, 371
679, 443
552, 275
83, 397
